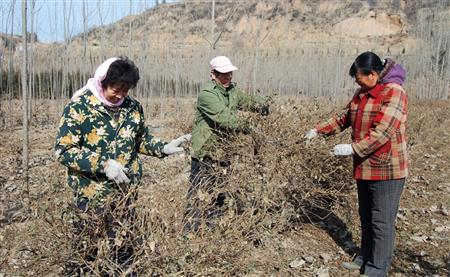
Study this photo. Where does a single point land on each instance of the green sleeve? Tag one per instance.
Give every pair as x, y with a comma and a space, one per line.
147, 143
68, 147
216, 111
249, 102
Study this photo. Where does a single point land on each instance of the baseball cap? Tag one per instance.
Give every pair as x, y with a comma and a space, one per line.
222, 64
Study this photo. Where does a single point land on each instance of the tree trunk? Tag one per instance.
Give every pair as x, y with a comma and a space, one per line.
11, 70
83, 69
25, 95
31, 82
129, 32
213, 24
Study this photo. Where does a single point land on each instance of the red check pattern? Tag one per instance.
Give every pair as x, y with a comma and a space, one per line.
378, 121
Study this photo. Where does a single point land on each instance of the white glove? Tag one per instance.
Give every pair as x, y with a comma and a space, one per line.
174, 146
343, 150
116, 172
310, 135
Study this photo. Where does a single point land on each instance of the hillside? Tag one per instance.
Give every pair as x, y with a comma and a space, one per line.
281, 25
284, 46
269, 24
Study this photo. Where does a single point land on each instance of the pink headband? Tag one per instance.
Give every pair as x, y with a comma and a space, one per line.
95, 84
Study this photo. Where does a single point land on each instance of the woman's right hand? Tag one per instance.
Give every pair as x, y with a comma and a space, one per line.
311, 134
116, 172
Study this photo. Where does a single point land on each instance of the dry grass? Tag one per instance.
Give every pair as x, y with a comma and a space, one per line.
283, 183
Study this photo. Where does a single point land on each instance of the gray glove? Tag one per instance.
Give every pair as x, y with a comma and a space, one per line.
116, 172
174, 146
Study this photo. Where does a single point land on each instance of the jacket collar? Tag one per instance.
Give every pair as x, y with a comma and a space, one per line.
222, 89
92, 101
374, 92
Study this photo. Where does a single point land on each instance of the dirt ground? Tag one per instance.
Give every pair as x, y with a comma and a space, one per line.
310, 249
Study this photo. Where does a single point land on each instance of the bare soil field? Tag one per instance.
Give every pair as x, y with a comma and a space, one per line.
34, 239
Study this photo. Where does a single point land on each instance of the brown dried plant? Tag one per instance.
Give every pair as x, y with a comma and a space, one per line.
276, 181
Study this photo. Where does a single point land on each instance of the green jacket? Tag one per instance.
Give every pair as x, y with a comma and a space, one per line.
88, 137
217, 116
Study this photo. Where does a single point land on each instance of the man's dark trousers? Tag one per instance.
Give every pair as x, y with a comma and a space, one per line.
205, 175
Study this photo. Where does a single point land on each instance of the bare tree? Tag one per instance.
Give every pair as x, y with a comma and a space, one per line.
31, 82
129, 30
215, 39
11, 66
213, 25
258, 42
25, 94
84, 42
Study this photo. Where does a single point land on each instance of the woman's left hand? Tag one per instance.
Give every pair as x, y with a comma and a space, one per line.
174, 146
343, 150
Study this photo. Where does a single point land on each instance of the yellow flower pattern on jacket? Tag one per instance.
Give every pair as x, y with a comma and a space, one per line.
66, 140
93, 138
87, 138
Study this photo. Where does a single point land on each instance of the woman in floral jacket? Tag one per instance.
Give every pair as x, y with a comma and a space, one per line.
101, 132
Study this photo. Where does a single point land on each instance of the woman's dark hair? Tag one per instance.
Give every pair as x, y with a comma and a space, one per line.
365, 63
122, 73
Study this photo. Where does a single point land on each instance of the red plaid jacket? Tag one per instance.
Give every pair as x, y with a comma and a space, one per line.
378, 119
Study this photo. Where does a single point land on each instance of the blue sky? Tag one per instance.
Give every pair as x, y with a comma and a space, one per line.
50, 14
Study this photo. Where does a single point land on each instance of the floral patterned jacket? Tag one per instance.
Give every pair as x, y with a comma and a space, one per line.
88, 136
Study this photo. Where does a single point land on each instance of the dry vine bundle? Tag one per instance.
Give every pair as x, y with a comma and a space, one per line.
275, 182
277, 173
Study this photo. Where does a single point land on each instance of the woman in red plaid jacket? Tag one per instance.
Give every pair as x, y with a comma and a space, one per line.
377, 114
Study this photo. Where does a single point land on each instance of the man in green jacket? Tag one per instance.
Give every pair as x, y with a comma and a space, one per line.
216, 117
